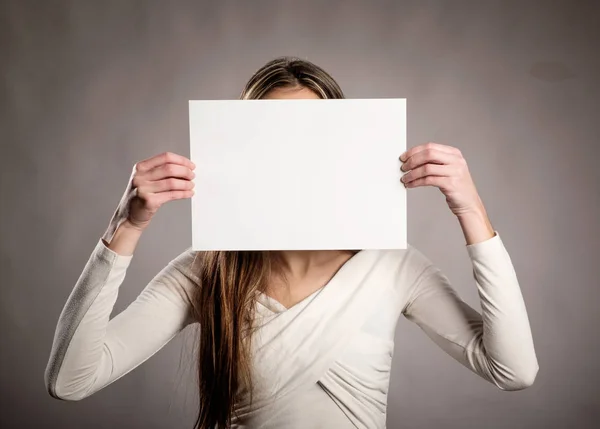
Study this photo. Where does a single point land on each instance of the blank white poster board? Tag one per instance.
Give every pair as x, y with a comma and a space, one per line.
303, 174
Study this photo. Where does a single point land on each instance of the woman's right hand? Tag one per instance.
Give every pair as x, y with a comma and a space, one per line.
156, 180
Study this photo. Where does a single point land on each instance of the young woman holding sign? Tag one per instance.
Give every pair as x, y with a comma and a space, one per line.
292, 339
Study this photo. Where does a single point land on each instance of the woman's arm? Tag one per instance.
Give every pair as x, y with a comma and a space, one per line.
89, 350
496, 344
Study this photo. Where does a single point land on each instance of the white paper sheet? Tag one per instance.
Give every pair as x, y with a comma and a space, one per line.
302, 174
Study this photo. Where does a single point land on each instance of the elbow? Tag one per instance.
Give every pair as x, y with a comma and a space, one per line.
519, 381
64, 395
50, 382
70, 398
59, 391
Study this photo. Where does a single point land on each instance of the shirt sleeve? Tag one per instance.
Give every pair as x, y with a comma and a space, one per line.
497, 343
89, 349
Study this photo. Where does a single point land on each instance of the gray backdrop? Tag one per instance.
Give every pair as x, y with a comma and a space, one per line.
90, 87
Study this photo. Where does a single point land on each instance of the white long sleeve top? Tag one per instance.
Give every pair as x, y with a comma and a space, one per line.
324, 362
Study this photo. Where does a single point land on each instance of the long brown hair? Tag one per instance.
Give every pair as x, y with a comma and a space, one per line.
223, 304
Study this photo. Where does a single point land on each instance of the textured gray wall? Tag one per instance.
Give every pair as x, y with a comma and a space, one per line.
89, 88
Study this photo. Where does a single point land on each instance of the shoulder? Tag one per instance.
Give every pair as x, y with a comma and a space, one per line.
187, 264
409, 261
181, 274
403, 267
399, 270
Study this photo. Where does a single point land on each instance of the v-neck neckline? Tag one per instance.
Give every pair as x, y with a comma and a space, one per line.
277, 307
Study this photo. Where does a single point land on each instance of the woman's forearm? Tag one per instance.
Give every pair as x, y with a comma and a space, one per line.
476, 225
125, 239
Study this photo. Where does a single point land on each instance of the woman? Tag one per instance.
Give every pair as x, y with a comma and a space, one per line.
294, 339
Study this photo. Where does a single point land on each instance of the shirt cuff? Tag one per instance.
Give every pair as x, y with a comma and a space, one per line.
113, 258
486, 248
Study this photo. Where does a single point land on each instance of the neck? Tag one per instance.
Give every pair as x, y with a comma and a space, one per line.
298, 263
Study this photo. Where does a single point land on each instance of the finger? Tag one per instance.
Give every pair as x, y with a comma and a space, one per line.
164, 171
430, 145
164, 158
437, 181
165, 197
433, 156
427, 170
166, 185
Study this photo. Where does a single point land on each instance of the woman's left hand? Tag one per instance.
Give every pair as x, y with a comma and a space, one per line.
433, 164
